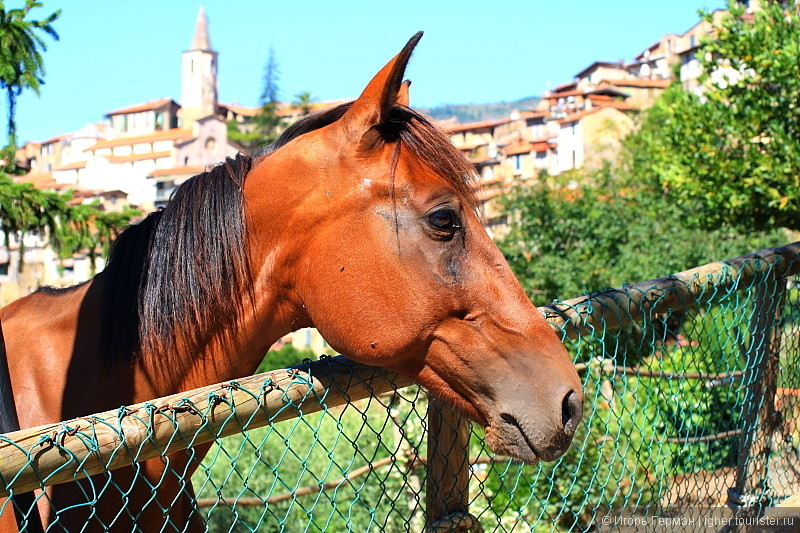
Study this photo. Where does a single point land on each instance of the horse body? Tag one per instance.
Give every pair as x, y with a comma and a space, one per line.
360, 222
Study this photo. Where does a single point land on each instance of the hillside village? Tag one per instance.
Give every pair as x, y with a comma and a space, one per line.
140, 153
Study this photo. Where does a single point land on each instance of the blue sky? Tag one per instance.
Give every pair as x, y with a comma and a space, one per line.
118, 53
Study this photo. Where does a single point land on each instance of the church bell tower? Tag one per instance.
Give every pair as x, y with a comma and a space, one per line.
198, 75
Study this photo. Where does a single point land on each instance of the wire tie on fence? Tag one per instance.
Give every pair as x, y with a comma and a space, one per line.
186, 406
45, 440
62, 435
233, 385
68, 431
122, 412
216, 399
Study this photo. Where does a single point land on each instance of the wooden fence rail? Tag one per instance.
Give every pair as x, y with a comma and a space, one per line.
63, 452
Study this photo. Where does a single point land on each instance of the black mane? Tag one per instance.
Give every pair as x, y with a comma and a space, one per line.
182, 274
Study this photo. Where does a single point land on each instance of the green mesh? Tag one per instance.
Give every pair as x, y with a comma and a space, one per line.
692, 401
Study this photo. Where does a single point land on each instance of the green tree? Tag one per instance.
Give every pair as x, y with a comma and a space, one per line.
564, 239
304, 101
23, 208
267, 121
21, 63
266, 125
731, 155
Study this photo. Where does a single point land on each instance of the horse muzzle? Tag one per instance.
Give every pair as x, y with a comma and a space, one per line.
532, 432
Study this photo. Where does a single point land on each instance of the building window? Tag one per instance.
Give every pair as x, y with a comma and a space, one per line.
517, 161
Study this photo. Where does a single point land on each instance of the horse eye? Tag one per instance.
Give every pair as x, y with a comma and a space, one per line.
444, 220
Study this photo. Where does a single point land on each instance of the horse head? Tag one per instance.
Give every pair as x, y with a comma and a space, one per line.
389, 260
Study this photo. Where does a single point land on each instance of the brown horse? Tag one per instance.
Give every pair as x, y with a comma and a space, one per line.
360, 221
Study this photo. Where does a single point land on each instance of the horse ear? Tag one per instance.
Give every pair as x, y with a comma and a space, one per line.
385, 91
402, 94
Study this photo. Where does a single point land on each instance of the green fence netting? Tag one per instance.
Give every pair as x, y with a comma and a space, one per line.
692, 389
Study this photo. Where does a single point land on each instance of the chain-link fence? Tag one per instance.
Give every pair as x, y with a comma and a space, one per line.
692, 389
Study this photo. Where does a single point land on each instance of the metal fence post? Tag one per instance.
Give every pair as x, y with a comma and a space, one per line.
759, 419
447, 486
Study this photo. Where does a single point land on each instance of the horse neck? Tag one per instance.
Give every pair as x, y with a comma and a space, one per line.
268, 319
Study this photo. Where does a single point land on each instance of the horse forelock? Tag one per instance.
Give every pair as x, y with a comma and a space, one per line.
181, 277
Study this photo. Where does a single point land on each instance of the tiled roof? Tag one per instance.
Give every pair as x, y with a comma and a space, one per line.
147, 106
77, 165
177, 171
471, 146
137, 157
533, 114
35, 178
600, 98
565, 86
526, 147
54, 139
564, 94
163, 135
657, 84
456, 128
241, 110
522, 147
652, 47
483, 160
598, 64
619, 106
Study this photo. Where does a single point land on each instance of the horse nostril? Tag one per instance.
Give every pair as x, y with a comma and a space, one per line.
571, 411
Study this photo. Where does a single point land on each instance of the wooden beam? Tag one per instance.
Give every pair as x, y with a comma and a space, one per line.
447, 484
58, 453
613, 308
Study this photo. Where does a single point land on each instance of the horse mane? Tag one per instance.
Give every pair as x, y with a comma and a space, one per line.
182, 276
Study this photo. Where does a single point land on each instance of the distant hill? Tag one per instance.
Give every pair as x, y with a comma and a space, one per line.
478, 112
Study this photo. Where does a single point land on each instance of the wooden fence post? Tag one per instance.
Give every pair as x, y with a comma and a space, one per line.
759, 419
447, 486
